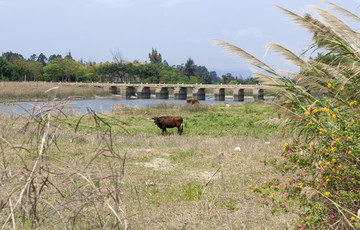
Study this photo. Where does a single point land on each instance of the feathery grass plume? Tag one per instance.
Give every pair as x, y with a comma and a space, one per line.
266, 79
329, 70
341, 11
308, 22
305, 82
287, 54
291, 75
343, 31
278, 85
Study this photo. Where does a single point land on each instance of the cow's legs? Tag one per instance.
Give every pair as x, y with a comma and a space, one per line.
164, 131
180, 130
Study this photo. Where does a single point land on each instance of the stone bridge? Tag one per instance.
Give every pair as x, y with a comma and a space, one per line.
143, 91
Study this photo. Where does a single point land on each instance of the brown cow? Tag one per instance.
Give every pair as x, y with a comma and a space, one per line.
169, 122
192, 101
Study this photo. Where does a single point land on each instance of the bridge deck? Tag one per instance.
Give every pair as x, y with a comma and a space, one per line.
208, 86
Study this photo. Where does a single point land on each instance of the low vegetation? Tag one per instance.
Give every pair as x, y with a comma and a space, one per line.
117, 171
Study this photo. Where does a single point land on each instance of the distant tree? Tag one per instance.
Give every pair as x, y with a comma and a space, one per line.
193, 80
42, 59
33, 57
155, 57
68, 56
233, 82
189, 68
11, 57
54, 56
136, 63
17, 70
52, 71
150, 73
4, 69
118, 57
213, 76
227, 78
33, 70
169, 75
251, 81
81, 73
71, 70
203, 75
165, 63
240, 79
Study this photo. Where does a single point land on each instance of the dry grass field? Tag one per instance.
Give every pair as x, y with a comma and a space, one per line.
116, 171
30, 91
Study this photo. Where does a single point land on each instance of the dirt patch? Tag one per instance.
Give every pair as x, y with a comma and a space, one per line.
159, 164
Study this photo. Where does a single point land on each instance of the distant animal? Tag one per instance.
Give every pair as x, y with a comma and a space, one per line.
192, 101
169, 122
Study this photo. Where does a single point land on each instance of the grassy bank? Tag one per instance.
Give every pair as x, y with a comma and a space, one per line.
118, 171
31, 91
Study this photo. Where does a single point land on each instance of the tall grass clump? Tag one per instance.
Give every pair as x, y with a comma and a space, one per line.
319, 169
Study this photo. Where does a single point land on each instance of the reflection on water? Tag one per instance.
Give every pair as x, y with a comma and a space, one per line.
101, 105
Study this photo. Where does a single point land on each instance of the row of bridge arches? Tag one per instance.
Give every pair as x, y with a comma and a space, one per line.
181, 93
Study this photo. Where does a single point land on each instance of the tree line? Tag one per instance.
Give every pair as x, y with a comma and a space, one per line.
56, 68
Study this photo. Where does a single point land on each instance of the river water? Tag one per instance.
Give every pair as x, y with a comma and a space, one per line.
102, 105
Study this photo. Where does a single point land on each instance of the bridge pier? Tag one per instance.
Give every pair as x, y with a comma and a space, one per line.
199, 93
113, 89
162, 93
180, 93
143, 92
219, 94
258, 94
238, 94
127, 92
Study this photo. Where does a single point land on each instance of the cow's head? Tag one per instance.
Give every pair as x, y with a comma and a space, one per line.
156, 120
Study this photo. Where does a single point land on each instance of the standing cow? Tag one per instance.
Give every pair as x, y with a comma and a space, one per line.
192, 101
169, 122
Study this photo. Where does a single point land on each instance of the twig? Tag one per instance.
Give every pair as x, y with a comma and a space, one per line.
338, 208
184, 225
12, 213
138, 199
29, 179
225, 195
205, 186
116, 215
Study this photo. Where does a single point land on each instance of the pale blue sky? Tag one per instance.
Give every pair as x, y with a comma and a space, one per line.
178, 29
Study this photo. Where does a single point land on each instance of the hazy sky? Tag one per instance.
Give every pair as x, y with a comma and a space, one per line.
178, 29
